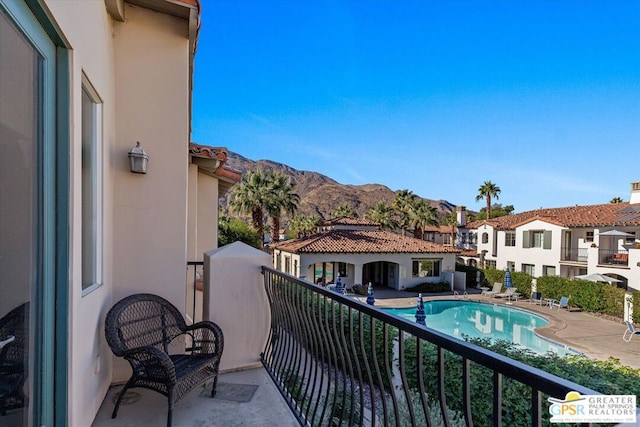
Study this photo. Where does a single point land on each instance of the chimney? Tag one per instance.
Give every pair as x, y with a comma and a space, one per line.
461, 215
635, 192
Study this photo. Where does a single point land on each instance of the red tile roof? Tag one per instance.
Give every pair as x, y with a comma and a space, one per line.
345, 220
361, 241
443, 229
610, 214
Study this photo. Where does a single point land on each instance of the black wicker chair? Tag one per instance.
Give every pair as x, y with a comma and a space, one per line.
140, 328
14, 331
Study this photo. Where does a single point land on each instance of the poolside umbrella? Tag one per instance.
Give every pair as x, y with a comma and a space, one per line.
616, 233
597, 277
420, 315
507, 279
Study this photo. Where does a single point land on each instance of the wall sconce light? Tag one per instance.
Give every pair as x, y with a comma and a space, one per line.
138, 159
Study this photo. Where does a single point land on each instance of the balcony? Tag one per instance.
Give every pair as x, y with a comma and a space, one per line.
575, 255
613, 258
338, 361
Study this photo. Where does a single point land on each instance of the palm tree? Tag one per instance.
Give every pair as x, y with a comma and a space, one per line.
403, 205
303, 225
383, 214
344, 210
281, 198
250, 197
616, 200
422, 215
487, 191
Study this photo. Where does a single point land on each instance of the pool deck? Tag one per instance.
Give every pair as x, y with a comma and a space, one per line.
594, 336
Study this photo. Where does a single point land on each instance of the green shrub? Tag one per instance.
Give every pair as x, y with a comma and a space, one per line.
430, 288
472, 273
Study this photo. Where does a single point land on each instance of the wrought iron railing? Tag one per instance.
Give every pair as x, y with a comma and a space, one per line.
613, 257
194, 290
575, 254
338, 361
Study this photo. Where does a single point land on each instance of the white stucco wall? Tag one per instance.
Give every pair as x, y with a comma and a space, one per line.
402, 276
140, 71
91, 38
237, 301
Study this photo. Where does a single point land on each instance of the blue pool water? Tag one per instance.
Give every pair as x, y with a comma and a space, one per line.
481, 320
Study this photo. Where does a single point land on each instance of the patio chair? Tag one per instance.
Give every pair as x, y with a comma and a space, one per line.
536, 298
140, 328
506, 294
630, 331
14, 331
497, 287
563, 303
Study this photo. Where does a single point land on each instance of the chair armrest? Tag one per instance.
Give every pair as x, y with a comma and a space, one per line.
151, 362
207, 337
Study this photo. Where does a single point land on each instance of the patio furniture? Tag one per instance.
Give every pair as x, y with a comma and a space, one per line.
536, 298
497, 287
563, 303
630, 331
506, 294
140, 329
14, 332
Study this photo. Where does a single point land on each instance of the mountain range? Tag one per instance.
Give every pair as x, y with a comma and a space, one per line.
320, 195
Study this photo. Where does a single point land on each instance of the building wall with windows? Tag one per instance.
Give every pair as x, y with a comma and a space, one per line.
129, 80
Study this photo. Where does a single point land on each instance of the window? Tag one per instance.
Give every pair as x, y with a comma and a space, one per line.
91, 188
426, 268
630, 239
485, 237
511, 265
295, 267
510, 238
342, 269
287, 264
536, 239
530, 269
548, 270
446, 239
279, 262
463, 237
490, 264
589, 236
473, 238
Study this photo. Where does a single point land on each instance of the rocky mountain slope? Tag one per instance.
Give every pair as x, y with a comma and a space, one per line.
320, 195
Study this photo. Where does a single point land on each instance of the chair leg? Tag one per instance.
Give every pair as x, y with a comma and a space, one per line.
170, 411
120, 396
213, 388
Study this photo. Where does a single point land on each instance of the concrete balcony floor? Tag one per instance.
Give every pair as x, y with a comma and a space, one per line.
244, 398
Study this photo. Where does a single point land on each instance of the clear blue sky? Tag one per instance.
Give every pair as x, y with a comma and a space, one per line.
540, 97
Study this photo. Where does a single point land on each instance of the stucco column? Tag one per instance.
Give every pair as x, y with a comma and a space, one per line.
357, 274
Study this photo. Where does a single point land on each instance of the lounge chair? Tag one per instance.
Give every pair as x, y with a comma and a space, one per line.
506, 294
497, 287
563, 303
536, 298
630, 331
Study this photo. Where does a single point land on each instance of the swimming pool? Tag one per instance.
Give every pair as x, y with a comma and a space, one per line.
481, 320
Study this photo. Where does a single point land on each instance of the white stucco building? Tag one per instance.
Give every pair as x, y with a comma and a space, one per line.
564, 242
360, 253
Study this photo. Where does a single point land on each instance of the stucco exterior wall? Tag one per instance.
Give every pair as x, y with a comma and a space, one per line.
89, 356
150, 210
403, 276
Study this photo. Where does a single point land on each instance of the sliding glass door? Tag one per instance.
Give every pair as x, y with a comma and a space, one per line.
27, 218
